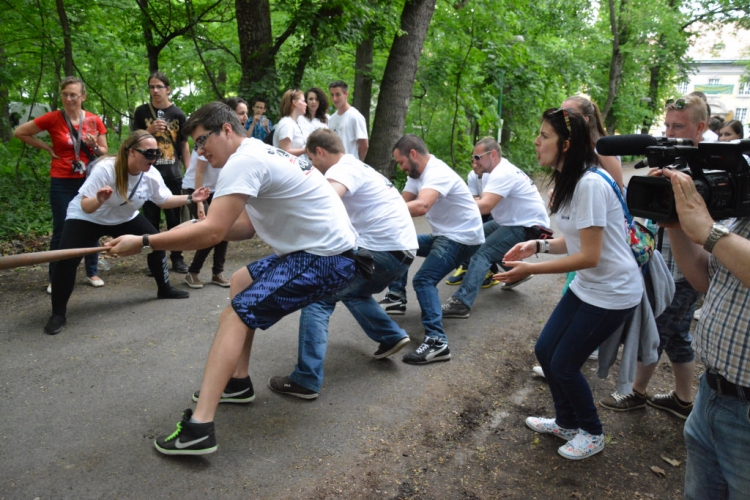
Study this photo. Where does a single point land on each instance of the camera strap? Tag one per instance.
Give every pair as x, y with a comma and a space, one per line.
75, 136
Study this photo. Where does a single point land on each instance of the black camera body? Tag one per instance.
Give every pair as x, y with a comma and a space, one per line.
720, 171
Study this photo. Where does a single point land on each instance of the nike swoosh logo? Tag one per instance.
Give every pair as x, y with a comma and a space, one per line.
179, 445
233, 394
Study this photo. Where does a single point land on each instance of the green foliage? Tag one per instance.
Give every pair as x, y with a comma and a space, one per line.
24, 195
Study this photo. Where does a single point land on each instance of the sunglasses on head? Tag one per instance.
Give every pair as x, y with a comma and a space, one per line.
149, 154
565, 115
678, 104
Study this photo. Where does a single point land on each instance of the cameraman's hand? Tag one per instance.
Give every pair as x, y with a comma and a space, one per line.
693, 214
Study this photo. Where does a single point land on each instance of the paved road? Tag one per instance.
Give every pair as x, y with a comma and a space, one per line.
79, 410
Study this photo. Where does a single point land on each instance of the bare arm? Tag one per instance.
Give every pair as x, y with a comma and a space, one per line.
214, 229
286, 145
362, 146
421, 203
487, 201
199, 195
338, 187
26, 133
586, 258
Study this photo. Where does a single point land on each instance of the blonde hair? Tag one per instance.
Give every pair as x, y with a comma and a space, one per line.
121, 161
287, 101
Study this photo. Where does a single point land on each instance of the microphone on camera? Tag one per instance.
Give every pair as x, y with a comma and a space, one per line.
634, 144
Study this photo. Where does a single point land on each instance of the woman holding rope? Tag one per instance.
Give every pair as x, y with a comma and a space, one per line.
107, 204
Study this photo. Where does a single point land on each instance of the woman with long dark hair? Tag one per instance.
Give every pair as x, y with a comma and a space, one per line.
316, 115
607, 287
107, 205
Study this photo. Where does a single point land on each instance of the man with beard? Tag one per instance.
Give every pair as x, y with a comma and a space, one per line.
436, 192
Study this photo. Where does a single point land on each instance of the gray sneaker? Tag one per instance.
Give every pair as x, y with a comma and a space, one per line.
454, 308
668, 402
623, 402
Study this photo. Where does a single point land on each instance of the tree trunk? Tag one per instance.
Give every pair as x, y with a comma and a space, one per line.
6, 129
397, 83
653, 95
619, 35
67, 44
363, 78
257, 56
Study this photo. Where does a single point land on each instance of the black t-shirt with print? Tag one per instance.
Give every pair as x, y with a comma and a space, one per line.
170, 141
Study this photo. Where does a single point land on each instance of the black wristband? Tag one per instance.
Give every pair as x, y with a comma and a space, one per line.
537, 246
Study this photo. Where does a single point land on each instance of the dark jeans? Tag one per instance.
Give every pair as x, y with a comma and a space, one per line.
574, 331
81, 234
61, 192
220, 250
153, 214
674, 324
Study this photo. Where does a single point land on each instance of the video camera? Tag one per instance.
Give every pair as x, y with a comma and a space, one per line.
719, 170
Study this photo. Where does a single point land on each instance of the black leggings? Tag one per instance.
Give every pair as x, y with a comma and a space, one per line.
82, 234
220, 249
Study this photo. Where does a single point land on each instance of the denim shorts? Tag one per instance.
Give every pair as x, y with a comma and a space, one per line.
674, 324
282, 285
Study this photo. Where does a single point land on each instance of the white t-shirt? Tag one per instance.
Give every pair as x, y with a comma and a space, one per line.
375, 207
475, 183
292, 209
210, 174
615, 283
454, 214
289, 129
350, 127
115, 211
310, 126
521, 204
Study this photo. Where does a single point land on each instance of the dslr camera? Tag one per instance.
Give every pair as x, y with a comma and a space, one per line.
720, 171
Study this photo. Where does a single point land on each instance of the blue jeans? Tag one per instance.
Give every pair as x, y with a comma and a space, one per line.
574, 330
498, 240
61, 192
357, 297
717, 438
442, 255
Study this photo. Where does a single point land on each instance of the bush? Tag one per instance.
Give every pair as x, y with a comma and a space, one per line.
24, 193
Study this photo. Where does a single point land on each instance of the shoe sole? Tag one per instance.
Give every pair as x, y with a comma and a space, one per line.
395, 312
456, 315
622, 410
454, 283
206, 451
295, 394
511, 286
223, 285
231, 400
393, 350
95, 284
564, 438
194, 286
446, 357
55, 332
570, 457
668, 410
490, 285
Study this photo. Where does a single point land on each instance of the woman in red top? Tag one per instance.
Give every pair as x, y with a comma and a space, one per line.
70, 154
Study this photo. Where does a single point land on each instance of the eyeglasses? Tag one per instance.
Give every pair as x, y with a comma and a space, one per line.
201, 141
72, 97
479, 157
149, 154
678, 104
156, 87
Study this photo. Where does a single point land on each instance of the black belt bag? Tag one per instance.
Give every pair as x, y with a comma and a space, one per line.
725, 387
538, 233
363, 260
405, 258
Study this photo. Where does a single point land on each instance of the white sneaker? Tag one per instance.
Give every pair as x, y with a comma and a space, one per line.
549, 426
49, 289
96, 281
583, 445
594, 356
538, 371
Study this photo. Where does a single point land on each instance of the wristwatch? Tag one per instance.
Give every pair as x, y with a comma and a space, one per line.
718, 231
146, 247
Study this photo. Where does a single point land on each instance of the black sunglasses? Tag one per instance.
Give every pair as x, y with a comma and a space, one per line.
149, 154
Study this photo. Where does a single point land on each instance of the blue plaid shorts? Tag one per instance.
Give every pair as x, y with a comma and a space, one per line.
282, 285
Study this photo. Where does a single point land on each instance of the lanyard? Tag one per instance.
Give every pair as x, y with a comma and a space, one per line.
133, 191
75, 135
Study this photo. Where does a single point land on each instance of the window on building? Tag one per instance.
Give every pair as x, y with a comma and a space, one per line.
714, 81
740, 114
682, 88
745, 88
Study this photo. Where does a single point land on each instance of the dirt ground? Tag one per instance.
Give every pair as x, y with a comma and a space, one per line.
467, 440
